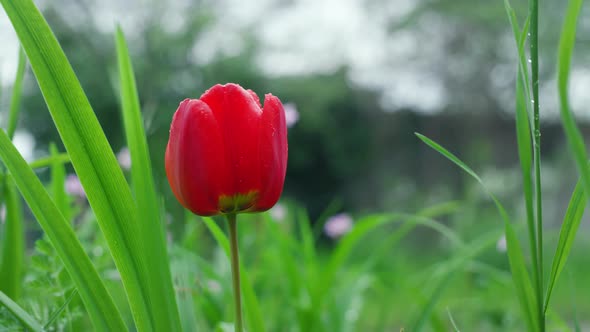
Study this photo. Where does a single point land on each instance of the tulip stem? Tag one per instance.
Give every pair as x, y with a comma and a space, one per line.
235, 269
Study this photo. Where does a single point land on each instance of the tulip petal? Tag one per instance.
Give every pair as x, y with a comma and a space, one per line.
195, 159
273, 152
238, 114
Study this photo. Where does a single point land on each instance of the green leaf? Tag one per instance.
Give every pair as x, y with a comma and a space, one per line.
20, 313
566, 47
520, 275
446, 273
16, 93
56, 314
567, 234
91, 155
254, 317
152, 229
99, 304
13, 251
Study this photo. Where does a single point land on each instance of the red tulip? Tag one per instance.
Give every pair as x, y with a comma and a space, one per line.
226, 153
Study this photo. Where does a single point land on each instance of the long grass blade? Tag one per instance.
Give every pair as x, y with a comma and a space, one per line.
13, 244
26, 319
91, 155
460, 259
162, 291
567, 234
525, 148
102, 311
16, 93
566, 47
520, 275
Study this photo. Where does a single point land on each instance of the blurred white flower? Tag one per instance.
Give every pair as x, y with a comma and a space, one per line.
124, 158
338, 225
74, 187
291, 114
3, 214
278, 212
501, 244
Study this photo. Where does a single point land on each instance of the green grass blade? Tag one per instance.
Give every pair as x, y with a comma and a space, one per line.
464, 256
566, 47
13, 251
102, 311
520, 275
16, 93
520, 278
20, 313
567, 234
362, 228
163, 296
525, 148
58, 178
254, 317
91, 155
58, 312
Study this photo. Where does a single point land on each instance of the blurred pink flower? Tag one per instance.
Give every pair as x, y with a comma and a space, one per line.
278, 212
291, 114
124, 158
74, 187
338, 225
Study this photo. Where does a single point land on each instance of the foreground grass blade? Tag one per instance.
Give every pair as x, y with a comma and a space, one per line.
16, 93
145, 195
525, 148
254, 318
20, 314
567, 234
566, 47
91, 155
13, 249
520, 275
99, 304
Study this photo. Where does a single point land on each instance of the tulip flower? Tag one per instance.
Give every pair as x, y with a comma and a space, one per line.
227, 154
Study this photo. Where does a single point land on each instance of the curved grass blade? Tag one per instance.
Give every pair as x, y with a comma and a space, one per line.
364, 226
145, 195
102, 310
465, 255
566, 47
91, 155
20, 313
520, 275
16, 93
254, 317
56, 314
13, 249
567, 234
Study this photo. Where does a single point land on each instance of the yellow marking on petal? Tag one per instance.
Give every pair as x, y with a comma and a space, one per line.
238, 202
